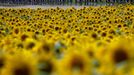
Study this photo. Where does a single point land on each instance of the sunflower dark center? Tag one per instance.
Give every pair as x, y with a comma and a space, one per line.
119, 56
94, 35
46, 48
16, 31
30, 45
104, 34
1, 63
90, 53
77, 64
22, 71
23, 37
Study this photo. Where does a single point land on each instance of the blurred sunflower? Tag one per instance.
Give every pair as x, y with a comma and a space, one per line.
75, 63
15, 66
118, 56
30, 44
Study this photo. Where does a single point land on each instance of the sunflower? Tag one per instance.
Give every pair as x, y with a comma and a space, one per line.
23, 36
75, 63
16, 31
3, 59
120, 51
90, 49
15, 66
44, 47
118, 56
30, 44
8, 44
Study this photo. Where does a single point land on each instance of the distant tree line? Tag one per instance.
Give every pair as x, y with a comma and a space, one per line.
62, 2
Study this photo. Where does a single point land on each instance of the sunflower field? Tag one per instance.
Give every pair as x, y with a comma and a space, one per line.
91, 40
